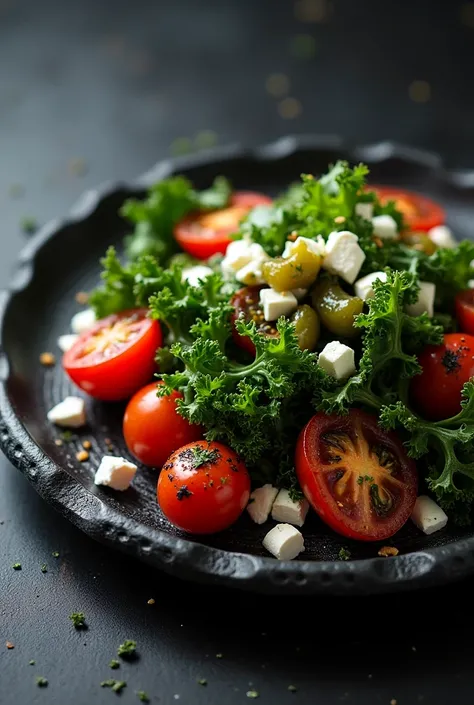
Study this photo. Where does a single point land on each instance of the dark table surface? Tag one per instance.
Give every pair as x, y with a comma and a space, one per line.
94, 91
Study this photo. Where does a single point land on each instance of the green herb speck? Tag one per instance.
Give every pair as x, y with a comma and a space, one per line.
78, 619
219, 655
31, 663
344, 554
252, 694
204, 456
114, 663
44, 568
67, 436
118, 686
143, 697
127, 649
16, 566
202, 681
41, 682
28, 224
292, 688
55, 554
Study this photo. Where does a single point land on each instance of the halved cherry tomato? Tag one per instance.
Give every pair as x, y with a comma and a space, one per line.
358, 478
436, 393
152, 427
420, 212
465, 310
205, 234
246, 303
203, 488
116, 357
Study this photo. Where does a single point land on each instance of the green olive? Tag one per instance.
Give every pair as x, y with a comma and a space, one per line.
298, 271
420, 242
336, 309
306, 327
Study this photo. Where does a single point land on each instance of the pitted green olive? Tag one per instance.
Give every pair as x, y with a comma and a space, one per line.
336, 308
306, 327
298, 271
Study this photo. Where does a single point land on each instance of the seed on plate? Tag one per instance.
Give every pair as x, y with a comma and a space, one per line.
82, 297
340, 219
87, 445
289, 108
9, 645
82, 456
47, 359
58, 442
386, 551
151, 601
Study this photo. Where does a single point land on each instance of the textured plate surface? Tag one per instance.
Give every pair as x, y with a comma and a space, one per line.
62, 259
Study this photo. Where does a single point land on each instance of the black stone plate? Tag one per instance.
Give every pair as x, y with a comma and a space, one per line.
62, 259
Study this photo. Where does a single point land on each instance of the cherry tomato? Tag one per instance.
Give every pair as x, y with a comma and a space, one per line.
420, 212
203, 487
116, 357
205, 234
357, 477
152, 427
246, 303
436, 393
465, 310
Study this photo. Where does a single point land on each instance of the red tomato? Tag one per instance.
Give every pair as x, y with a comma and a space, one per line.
357, 477
246, 303
152, 427
420, 212
203, 488
116, 357
465, 310
205, 234
436, 393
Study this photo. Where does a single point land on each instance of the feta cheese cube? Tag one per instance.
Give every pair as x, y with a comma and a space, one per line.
83, 321
364, 287
385, 227
276, 303
318, 246
193, 274
428, 516
261, 506
69, 413
337, 360
284, 542
288, 511
365, 210
250, 274
65, 342
425, 301
299, 293
442, 236
115, 472
344, 256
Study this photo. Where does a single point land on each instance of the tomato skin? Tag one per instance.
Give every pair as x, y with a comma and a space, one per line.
243, 300
436, 393
152, 427
118, 373
353, 521
464, 304
207, 499
420, 212
205, 234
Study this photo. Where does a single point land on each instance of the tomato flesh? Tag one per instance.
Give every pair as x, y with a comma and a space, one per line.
436, 393
420, 212
205, 234
116, 357
464, 303
203, 488
246, 303
356, 476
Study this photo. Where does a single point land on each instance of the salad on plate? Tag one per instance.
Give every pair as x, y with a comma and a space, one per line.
309, 352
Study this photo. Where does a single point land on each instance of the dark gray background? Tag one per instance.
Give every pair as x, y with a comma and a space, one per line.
114, 84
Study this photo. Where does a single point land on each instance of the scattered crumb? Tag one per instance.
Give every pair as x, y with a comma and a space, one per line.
292, 688
386, 551
47, 359
77, 167
87, 445
9, 645
142, 696
114, 663
82, 297
419, 91
289, 108
44, 568
344, 554
340, 219
41, 682
28, 224
16, 566
82, 456
58, 442
55, 554
252, 694
219, 655
277, 85
32, 662
151, 601
202, 681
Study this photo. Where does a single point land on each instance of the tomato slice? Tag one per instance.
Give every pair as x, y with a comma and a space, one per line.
116, 357
465, 310
358, 478
246, 303
205, 234
420, 212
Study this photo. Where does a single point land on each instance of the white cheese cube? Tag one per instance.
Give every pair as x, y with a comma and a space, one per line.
318, 246
276, 303
193, 274
299, 293
237, 255
365, 210
115, 472
428, 516
261, 503
364, 288
257, 253
442, 236
337, 360
65, 342
343, 255
284, 542
83, 321
69, 413
250, 274
288, 511
425, 301
385, 227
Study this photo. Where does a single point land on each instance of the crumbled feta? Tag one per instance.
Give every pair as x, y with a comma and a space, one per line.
69, 413
365, 210
442, 236
250, 274
385, 227
284, 541
261, 502
193, 274
288, 511
299, 293
344, 256
65, 342
276, 303
428, 516
115, 472
337, 360
425, 301
83, 321
364, 288
318, 246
